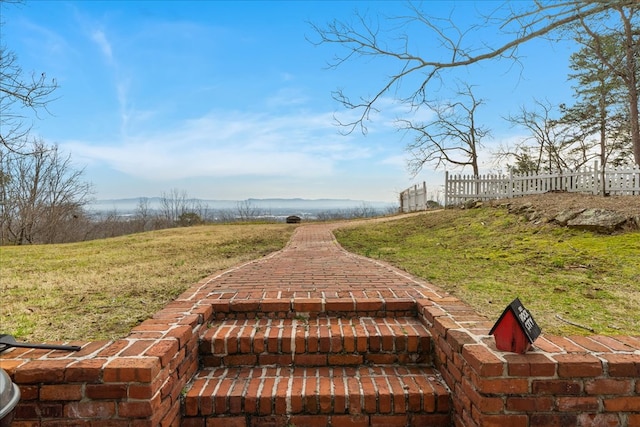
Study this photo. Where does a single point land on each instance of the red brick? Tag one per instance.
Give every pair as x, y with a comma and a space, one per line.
443, 324
633, 420
530, 404
90, 410
227, 422
310, 395
29, 392
599, 420
33, 410
324, 395
483, 360
309, 420
369, 304
578, 365
504, 420
86, 371
606, 386
457, 339
503, 386
61, 392
307, 305
484, 404
117, 346
244, 306
561, 343
240, 360
623, 365
343, 305
138, 369
41, 371
622, 404
353, 390
182, 333
530, 364
165, 350
612, 342
136, 409
136, 348
553, 420
311, 360
388, 420
589, 344
356, 420
578, 404
400, 304
106, 391
431, 420
556, 387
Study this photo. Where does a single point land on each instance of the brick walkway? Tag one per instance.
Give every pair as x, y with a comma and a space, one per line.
314, 335
314, 266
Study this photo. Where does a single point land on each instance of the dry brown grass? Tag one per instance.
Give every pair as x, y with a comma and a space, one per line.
100, 289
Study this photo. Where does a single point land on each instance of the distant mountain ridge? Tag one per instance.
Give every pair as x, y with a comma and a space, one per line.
128, 205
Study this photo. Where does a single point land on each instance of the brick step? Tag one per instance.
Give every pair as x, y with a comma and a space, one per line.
291, 305
324, 341
331, 396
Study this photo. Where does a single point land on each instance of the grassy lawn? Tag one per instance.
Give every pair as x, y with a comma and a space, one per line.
100, 289
487, 257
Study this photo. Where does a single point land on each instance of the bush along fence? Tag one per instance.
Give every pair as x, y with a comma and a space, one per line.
459, 189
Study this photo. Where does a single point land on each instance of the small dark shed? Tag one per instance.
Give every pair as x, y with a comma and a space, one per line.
293, 219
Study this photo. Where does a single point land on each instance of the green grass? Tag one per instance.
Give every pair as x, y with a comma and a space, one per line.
100, 289
487, 257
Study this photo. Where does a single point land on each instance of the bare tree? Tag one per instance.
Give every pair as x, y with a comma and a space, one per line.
19, 93
552, 145
41, 194
417, 71
452, 138
143, 213
246, 210
173, 204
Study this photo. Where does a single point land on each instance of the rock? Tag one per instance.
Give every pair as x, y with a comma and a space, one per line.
565, 216
598, 220
473, 204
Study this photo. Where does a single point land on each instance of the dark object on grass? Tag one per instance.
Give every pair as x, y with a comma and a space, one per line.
293, 219
7, 341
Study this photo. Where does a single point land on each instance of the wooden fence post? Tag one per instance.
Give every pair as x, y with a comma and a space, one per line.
446, 188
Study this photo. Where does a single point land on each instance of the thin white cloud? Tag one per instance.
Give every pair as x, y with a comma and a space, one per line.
228, 144
100, 38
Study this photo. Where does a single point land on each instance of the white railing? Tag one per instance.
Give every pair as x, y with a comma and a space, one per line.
459, 189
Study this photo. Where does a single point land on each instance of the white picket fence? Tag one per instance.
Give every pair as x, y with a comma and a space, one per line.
459, 189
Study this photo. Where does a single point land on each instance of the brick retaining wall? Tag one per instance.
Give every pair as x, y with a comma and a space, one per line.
564, 381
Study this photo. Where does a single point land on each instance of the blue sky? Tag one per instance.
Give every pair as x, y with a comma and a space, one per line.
229, 100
